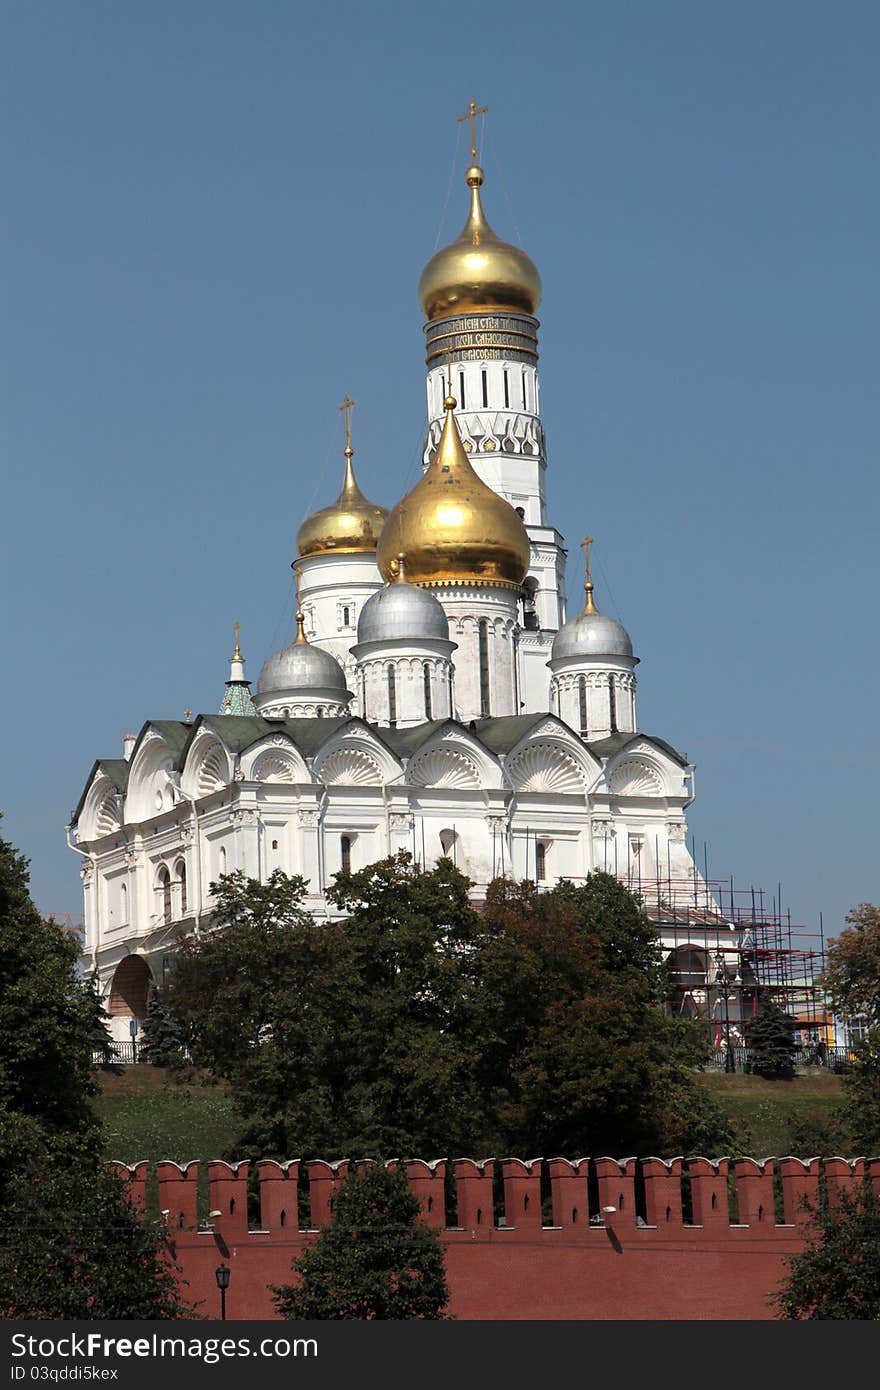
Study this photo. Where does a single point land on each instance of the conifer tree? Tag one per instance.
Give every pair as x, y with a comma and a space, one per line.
162, 1036
376, 1259
770, 1037
97, 1020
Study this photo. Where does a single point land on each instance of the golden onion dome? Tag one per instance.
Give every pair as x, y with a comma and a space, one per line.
348, 525
452, 528
478, 271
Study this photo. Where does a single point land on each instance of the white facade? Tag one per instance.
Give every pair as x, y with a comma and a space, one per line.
481, 747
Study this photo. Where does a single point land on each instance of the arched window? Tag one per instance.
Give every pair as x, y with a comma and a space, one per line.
165, 889
506, 390
485, 390
123, 904
540, 861
612, 704
392, 697
181, 880
483, 641
221, 859
447, 843
461, 404
427, 681
582, 702
346, 617
345, 853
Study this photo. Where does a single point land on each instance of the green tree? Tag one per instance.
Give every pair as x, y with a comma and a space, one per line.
162, 1037
770, 1037
72, 1247
97, 1019
838, 1274
861, 1094
342, 1039
47, 1031
576, 1054
376, 1259
852, 972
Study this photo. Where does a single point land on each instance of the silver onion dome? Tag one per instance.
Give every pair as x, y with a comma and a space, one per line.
592, 634
402, 610
301, 667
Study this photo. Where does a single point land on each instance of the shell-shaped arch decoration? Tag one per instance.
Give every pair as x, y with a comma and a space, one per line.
444, 767
542, 767
107, 818
635, 778
351, 767
212, 772
273, 767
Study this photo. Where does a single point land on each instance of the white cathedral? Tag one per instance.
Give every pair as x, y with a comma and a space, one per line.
435, 697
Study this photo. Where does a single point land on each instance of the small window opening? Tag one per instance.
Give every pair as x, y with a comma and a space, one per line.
668, 1213
123, 904
165, 885
506, 390
620, 1201
231, 1206
540, 861
521, 512
274, 844
582, 702
479, 1216
346, 617
430, 1204
392, 697
427, 688
485, 390
345, 853
714, 1200
612, 703
524, 396
461, 389
574, 1216
526, 1202
761, 1213
483, 642
181, 879
283, 1217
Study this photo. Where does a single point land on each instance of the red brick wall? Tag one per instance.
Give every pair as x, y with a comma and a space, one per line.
643, 1261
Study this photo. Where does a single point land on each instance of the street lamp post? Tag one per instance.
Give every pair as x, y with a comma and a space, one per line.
221, 1274
722, 984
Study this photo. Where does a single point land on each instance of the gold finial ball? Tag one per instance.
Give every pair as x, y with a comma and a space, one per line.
348, 451
449, 402
474, 176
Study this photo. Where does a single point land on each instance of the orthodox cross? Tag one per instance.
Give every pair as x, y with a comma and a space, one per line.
585, 547
346, 406
236, 626
471, 115
449, 369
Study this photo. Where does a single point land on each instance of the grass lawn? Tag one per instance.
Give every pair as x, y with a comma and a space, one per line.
148, 1113
772, 1116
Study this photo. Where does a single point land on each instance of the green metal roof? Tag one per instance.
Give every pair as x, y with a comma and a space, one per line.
614, 743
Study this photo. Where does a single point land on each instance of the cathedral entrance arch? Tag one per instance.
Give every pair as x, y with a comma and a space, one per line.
130, 989
687, 966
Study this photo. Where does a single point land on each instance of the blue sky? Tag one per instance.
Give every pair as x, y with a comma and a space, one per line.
216, 215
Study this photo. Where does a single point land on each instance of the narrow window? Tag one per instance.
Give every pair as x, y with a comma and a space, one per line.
484, 667
181, 879
274, 844
612, 703
165, 885
123, 904
461, 389
485, 391
392, 697
506, 390
346, 617
427, 670
540, 861
582, 702
222, 860
525, 407
345, 853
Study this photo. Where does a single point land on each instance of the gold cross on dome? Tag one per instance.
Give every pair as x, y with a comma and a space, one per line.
346, 406
236, 655
471, 115
585, 546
